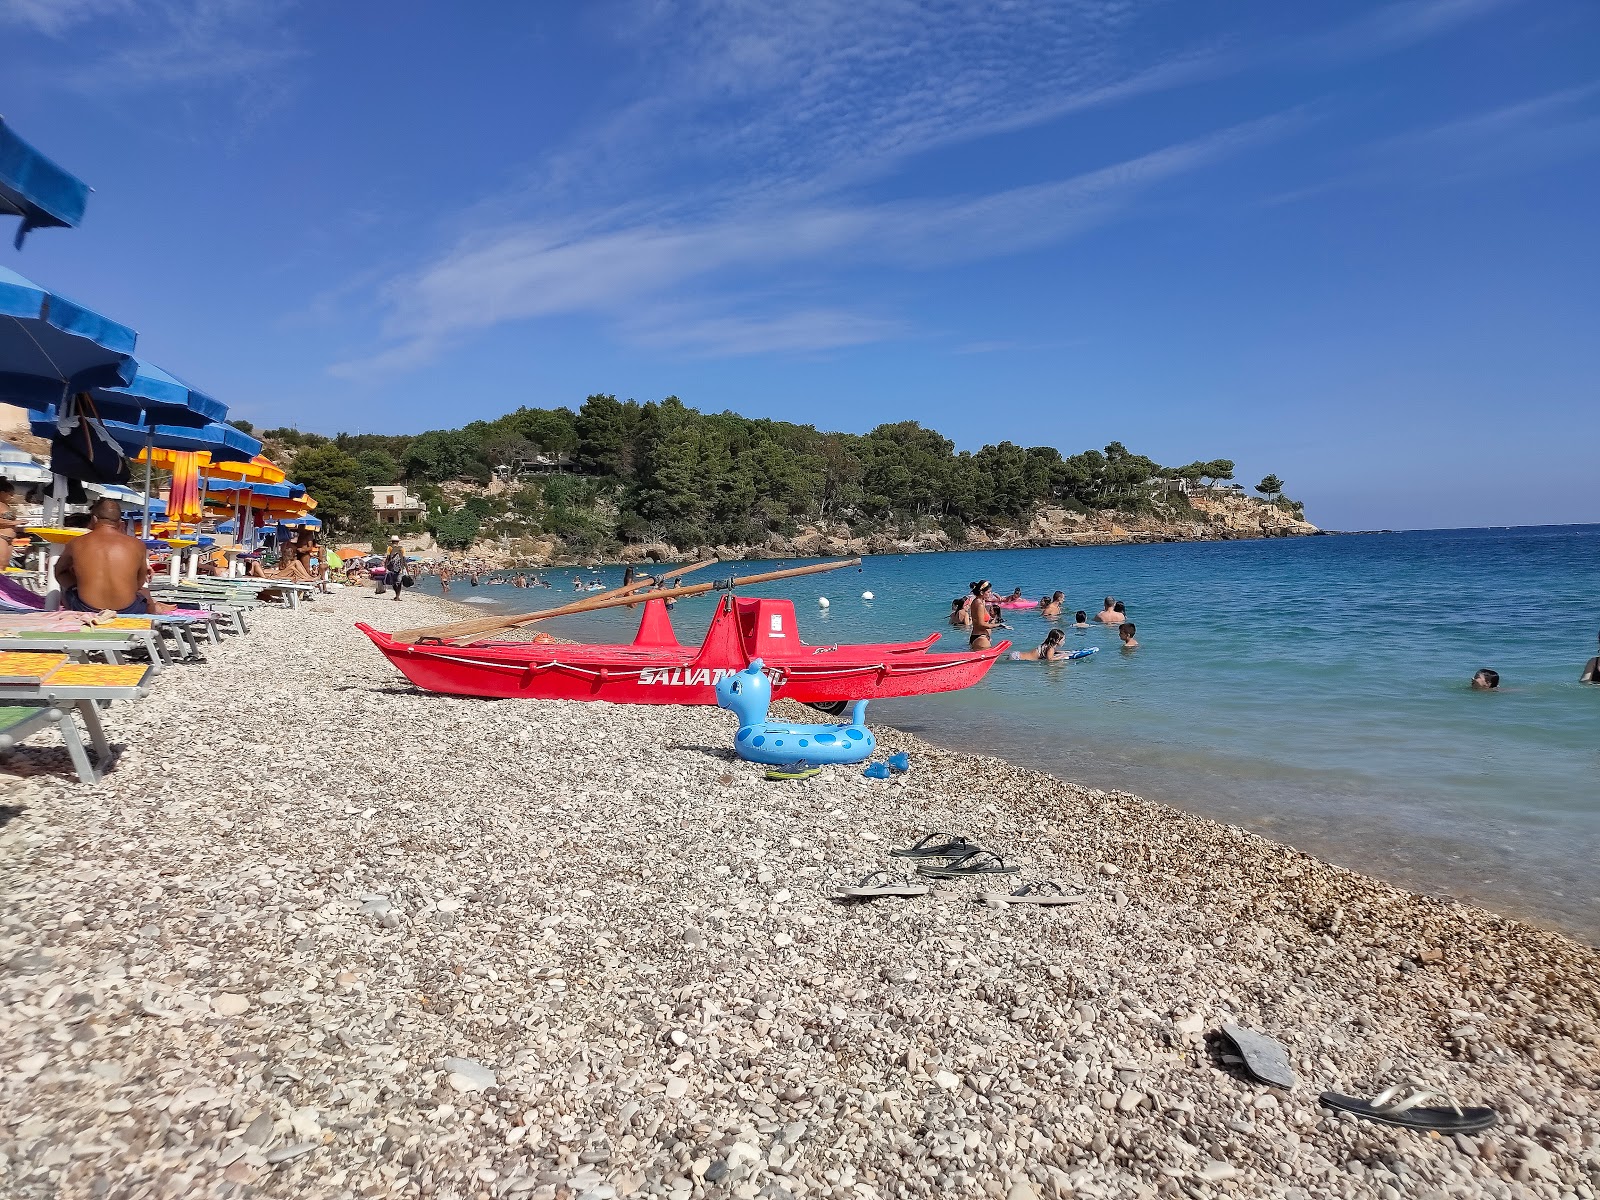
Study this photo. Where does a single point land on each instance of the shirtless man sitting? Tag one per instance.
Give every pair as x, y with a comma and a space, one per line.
105, 568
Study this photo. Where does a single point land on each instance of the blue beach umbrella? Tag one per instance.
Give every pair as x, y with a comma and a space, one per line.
153, 396
156, 397
35, 189
273, 491
51, 348
223, 442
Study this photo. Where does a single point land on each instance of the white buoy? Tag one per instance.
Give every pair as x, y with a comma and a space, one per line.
822, 602
866, 595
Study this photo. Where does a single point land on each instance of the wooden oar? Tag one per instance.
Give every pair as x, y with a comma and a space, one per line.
697, 589
483, 626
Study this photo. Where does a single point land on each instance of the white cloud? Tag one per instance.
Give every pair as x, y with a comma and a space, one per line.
126, 45
1530, 135
804, 331
1396, 27
756, 124
533, 271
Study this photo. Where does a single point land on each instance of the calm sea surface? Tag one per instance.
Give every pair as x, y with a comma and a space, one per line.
1311, 689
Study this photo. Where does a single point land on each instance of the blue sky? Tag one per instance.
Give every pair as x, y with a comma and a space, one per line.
1354, 244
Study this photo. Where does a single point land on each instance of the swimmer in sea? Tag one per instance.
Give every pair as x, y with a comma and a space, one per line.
1109, 614
1485, 680
958, 614
1050, 606
1125, 632
1049, 650
1591, 671
1080, 620
1016, 594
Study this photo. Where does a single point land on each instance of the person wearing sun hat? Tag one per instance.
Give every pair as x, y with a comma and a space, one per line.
394, 565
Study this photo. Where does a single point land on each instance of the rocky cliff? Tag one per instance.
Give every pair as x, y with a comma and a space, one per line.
1211, 516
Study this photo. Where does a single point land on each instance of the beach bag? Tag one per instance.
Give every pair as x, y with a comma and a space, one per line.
408, 581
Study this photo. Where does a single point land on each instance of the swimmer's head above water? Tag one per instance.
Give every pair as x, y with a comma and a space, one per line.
1485, 680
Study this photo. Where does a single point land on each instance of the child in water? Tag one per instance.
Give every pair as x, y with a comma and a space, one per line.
1125, 632
1049, 649
1080, 620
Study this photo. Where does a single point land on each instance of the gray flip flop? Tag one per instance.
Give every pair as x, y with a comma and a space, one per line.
1045, 892
878, 884
1264, 1057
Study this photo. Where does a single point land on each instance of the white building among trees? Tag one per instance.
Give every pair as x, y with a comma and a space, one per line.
394, 505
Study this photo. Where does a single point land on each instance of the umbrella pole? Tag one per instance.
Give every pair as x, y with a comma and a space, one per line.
149, 439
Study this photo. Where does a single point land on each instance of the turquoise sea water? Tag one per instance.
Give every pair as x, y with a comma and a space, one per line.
1312, 689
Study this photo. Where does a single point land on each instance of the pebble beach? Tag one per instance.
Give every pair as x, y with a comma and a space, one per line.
321, 934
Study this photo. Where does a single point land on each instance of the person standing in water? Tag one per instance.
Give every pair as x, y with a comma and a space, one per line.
1125, 632
958, 614
1109, 614
983, 624
1080, 620
1591, 671
1050, 607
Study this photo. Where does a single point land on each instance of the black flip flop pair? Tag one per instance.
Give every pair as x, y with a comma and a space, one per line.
1266, 1061
951, 856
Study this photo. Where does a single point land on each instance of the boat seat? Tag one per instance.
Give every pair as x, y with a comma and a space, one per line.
768, 628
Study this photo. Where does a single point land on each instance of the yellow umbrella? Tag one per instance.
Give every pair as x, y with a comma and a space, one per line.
257, 470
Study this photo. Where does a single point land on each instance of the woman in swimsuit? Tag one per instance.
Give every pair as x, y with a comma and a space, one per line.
984, 619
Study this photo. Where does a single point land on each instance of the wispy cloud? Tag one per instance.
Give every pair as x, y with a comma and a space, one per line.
757, 127
1518, 137
56, 17
1395, 27
114, 46
541, 270
805, 331
1529, 135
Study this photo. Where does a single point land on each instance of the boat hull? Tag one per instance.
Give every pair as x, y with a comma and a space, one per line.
655, 669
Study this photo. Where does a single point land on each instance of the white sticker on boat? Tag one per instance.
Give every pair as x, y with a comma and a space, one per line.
777, 625
697, 676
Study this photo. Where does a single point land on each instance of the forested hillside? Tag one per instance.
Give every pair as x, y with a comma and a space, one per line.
617, 472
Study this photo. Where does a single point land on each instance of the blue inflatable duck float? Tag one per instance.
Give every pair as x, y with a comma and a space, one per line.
748, 694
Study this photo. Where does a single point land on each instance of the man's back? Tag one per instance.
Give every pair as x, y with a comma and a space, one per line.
108, 567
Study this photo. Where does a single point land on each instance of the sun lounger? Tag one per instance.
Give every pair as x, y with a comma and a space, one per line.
51, 680
113, 643
19, 721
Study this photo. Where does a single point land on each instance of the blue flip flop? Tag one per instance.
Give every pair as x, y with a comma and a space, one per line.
877, 771
899, 763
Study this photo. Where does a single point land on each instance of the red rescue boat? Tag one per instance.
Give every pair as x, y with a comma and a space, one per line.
657, 669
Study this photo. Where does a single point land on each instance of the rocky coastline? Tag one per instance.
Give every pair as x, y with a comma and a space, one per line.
321, 934
1221, 516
